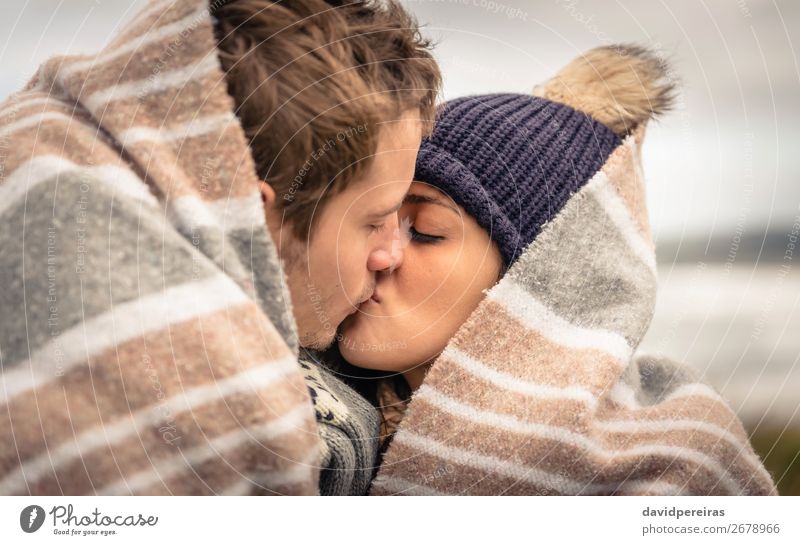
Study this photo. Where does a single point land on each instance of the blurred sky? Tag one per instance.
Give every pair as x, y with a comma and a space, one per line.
723, 170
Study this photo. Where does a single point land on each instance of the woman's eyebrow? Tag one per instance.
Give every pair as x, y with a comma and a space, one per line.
416, 198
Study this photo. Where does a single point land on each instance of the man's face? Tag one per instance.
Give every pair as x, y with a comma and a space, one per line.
356, 236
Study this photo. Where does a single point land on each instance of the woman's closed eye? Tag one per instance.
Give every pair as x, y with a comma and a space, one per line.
423, 238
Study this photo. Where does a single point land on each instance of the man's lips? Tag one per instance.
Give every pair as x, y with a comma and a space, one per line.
373, 298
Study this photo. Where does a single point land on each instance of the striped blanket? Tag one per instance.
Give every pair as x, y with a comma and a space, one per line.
541, 391
147, 340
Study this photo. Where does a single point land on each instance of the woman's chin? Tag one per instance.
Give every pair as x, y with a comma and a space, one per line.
370, 345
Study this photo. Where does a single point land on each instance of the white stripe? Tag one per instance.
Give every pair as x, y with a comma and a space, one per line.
37, 119
620, 215
399, 485
153, 35
666, 425
250, 380
45, 168
195, 127
163, 470
192, 212
491, 464
125, 321
520, 304
622, 394
514, 384
563, 435
148, 86
28, 103
697, 389
402, 486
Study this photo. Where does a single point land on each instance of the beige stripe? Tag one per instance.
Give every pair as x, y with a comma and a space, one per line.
46, 168
561, 406
238, 439
197, 126
43, 121
133, 375
222, 174
236, 478
533, 314
151, 17
125, 321
684, 407
734, 457
161, 445
474, 473
602, 451
174, 80
547, 363
58, 455
160, 35
516, 454
400, 486
511, 383
19, 107
86, 147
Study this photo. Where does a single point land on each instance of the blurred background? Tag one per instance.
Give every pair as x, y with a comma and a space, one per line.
723, 169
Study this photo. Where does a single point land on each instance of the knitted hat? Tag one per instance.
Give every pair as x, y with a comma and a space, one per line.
512, 161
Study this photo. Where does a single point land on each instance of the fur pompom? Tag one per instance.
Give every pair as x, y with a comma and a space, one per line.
620, 86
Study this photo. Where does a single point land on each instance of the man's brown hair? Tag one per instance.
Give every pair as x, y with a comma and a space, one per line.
313, 81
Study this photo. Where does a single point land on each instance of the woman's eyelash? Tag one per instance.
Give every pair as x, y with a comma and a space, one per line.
422, 237
377, 228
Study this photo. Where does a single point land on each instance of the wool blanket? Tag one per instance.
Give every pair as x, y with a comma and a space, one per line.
147, 341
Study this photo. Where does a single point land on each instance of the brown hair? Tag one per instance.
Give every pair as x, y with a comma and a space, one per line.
312, 81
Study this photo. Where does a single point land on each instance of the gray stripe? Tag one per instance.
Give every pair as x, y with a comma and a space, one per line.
659, 376
249, 257
73, 250
259, 257
581, 266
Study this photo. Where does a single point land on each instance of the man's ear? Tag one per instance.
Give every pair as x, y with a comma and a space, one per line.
267, 193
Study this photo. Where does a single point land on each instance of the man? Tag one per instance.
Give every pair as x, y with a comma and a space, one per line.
150, 337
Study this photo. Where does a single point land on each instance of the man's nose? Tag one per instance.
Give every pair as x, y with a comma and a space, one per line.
389, 254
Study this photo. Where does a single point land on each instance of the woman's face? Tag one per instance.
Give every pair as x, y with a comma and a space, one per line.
447, 263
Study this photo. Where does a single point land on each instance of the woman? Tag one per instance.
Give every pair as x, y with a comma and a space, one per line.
527, 283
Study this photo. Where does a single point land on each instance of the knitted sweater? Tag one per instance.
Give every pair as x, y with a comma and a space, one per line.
348, 426
148, 345
541, 390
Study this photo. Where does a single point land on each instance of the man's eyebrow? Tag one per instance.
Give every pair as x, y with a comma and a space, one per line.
416, 198
386, 212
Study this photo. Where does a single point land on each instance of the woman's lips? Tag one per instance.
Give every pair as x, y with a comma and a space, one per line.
373, 299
